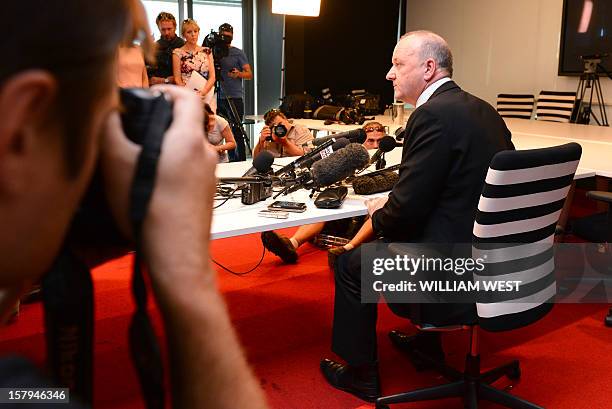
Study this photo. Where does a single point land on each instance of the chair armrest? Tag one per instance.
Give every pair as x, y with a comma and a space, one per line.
600, 195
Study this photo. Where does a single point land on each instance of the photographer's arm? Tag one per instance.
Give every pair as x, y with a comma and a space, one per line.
211, 76
208, 367
176, 70
247, 73
265, 133
230, 142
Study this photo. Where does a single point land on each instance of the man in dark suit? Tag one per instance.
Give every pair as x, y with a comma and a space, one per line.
450, 139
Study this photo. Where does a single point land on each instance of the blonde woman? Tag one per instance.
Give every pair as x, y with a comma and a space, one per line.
192, 57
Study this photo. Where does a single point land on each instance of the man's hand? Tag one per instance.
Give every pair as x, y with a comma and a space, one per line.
264, 134
234, 73
181, 205
375, 203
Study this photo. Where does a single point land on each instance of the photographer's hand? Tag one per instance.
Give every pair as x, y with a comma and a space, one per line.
202, 344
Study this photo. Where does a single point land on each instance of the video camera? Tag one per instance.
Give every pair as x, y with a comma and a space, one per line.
218, 43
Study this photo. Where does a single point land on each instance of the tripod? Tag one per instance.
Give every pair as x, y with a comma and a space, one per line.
233, 117
589, 84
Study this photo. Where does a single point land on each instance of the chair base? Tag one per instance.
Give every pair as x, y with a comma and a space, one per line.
470, 385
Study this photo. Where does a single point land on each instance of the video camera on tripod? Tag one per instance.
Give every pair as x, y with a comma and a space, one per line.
589, 88
218, 43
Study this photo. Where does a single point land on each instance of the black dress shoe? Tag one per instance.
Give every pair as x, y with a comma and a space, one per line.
415, 346
362, 381
280, 246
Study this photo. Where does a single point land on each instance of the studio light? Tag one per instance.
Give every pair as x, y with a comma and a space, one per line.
297, 7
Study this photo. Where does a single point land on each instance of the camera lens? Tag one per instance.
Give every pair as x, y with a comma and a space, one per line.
280, 130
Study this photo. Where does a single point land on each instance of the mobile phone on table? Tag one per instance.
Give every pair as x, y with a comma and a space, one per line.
274, 214
296, 207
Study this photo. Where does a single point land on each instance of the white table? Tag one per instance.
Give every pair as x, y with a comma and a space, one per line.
234, 218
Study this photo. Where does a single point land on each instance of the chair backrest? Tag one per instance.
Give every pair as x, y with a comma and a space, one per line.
515, 105
556, 106
514, 229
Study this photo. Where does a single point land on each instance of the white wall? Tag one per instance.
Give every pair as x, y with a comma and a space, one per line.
500, 45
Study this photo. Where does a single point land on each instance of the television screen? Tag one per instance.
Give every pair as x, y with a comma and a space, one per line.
585, 31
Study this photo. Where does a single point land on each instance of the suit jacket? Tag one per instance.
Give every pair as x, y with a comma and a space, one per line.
448, 145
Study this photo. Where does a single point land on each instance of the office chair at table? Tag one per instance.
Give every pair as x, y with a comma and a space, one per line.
514, 231
515, 105
556, 106
603, 236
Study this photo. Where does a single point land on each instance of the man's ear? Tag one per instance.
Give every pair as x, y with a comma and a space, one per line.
430, 69
26, 100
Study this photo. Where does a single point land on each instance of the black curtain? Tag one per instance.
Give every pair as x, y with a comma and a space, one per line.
349, 46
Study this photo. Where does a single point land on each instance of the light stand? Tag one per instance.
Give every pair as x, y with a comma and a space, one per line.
587, 86
309, 8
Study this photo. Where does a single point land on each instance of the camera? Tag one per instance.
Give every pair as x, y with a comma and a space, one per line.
279, 130
256, 192
145, 117
218, 43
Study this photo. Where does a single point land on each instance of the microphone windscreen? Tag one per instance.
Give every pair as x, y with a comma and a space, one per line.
263, 161
363, 185
340, 165
367, 185
355, 136
386, 144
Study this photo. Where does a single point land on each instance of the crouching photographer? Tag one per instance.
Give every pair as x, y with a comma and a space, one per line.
58, 116
281, 137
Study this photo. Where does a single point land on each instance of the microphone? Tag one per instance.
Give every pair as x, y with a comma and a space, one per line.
262, 163
322, 151
386, 144
399, 133
382, 182
339, 165
339, 144
356, 136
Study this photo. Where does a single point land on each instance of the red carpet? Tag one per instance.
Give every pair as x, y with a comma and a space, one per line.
283, 316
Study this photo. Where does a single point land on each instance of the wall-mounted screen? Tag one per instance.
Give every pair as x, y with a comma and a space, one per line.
585, 31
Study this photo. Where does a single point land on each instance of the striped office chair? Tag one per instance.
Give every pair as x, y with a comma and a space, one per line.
556, 106
513, 232
515, 105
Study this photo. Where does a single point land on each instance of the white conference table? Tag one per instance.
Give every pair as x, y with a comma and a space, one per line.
234, 219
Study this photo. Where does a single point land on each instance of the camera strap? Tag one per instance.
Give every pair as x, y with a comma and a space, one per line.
144, 345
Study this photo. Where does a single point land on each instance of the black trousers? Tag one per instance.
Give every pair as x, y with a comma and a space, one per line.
223, 108
354, 327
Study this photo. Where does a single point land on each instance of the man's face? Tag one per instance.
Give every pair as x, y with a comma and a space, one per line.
407, 71
373, 136
38, 217
167, 29
229, 35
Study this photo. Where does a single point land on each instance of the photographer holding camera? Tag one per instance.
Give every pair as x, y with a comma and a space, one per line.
58, 116
281, 137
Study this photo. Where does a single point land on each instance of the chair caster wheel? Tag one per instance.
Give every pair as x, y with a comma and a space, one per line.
608, 320
515, 374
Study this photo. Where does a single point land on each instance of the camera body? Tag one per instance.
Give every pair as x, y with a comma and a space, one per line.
256, 192
93, 226
279, 130
218, 43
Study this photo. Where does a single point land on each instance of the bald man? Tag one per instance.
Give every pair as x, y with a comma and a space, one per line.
450, 140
